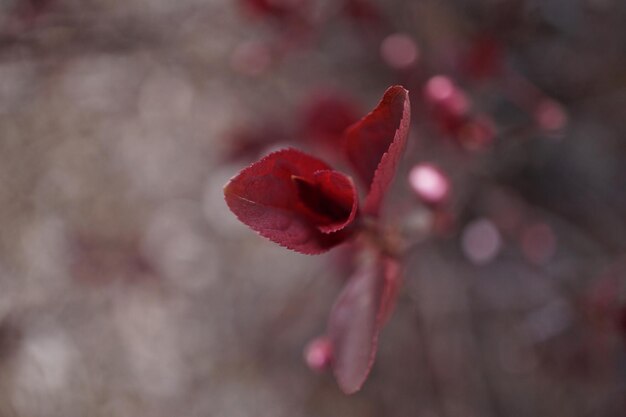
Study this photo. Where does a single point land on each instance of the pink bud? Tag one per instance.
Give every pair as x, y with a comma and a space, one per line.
318, 354
399, 51
481, 241
550, 115
450, 106
429, 183
439, 88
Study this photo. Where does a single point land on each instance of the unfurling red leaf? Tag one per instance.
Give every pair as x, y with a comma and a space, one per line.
359, 313
375, 144
330, 197
295, 200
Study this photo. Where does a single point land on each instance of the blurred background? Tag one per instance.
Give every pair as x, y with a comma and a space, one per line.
127, 288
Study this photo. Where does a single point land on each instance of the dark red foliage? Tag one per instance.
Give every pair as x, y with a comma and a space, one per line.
391, 286
331, 198
483, 58
451, 111
622, 321
326, 116
21, 16
295, 200
299, 202
280, 9
375, 144
29, 10
449, 105
358, 316
363, 12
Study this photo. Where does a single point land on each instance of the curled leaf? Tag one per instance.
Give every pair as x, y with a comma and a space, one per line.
357, 317
295, 200
331, 199
374, 145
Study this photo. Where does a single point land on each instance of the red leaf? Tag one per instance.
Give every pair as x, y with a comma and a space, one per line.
326, 115
363, 12
622, 321
357, 317
391, 286
484, 57
331, 198
375, 144
272, 8
295, 200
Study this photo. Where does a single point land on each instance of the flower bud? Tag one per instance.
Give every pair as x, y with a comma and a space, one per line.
318, 354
